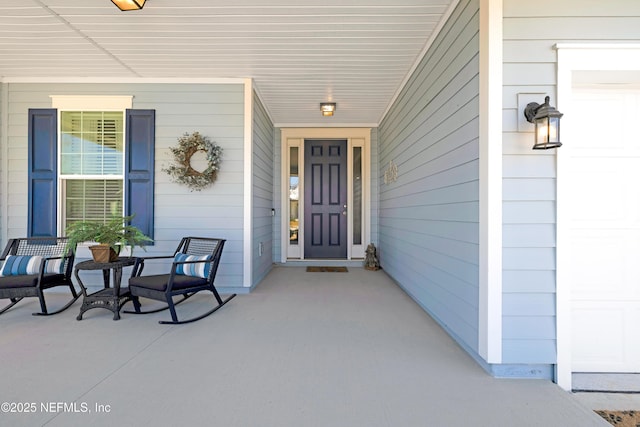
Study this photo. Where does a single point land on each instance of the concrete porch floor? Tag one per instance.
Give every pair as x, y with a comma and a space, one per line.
303, 349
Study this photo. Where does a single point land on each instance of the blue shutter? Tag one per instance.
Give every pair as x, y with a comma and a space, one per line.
139, 170
42, 172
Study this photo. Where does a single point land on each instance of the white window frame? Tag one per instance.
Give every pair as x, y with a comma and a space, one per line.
85, 103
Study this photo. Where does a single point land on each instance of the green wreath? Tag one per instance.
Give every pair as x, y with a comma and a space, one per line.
183, 173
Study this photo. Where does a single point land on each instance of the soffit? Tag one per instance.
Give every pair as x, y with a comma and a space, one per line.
298, 52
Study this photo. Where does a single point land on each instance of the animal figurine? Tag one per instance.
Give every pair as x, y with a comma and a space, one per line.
371, 259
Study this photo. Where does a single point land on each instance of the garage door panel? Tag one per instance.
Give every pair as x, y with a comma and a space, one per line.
598, 198
588, 280
596, 348
614, 134
606, 193
608, 347
604, 234
601, 269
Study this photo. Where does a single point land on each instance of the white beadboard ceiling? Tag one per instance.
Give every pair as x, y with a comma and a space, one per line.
299, 53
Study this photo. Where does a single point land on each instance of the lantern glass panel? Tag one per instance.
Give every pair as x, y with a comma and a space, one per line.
542, 130
554, 129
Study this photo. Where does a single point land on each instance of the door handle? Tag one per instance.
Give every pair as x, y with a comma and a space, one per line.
344, 212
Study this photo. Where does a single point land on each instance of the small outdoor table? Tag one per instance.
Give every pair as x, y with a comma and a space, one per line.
111, 298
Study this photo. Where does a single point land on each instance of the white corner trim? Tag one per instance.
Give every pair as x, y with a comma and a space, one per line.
490, 293
247, 252
573, 57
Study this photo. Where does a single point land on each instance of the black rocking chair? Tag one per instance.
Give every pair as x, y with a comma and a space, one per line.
31, 265
194, 267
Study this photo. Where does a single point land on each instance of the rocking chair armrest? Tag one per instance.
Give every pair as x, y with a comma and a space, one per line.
193, 261
48, 258
154, 257
64, 257
139, 265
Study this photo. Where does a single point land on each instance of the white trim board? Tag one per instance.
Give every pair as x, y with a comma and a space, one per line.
490, 281
574, 57
247, 276
159, 80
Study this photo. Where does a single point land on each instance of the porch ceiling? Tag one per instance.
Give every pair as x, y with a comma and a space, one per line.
356, 53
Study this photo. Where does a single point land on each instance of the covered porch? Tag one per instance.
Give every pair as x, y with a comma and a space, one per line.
302, 349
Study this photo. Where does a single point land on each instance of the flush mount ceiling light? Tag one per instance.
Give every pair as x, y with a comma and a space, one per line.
125, 5
547, 121
327, 108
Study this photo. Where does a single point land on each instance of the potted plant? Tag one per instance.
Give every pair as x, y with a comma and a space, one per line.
111, 236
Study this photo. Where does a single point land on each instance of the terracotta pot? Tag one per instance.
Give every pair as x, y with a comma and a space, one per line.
103, 253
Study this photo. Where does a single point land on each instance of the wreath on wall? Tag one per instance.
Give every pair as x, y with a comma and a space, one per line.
183, 173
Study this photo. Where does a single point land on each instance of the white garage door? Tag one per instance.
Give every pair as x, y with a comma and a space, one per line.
605, 232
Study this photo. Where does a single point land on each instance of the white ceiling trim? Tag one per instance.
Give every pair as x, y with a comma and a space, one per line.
324, 125
159, 80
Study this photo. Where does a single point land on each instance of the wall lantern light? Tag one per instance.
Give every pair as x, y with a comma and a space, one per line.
129, 4
547, 121
327, 108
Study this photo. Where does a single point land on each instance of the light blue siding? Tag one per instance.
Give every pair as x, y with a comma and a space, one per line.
538, 235
214, 110
530, 328
529, 191
263, 191
428, 218
529, 351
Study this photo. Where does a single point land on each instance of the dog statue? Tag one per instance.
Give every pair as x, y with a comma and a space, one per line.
371, 259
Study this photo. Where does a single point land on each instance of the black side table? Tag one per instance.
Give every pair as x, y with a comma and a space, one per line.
111, 298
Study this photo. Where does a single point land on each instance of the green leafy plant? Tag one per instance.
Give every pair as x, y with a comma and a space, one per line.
116, 232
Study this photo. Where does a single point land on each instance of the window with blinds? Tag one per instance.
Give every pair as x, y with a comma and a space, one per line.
91, 165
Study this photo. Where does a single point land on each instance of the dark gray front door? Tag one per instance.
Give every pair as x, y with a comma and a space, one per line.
325, 199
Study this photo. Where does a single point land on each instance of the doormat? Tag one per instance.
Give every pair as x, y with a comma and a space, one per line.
327, 270
621, 418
